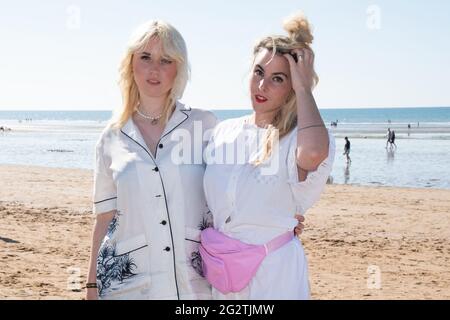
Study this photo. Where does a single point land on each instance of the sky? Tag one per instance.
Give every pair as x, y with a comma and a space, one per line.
64, 55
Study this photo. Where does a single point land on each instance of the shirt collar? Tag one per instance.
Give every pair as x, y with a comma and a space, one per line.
180, 114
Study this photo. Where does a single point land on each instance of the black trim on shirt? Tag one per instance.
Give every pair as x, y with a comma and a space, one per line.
119, 255
105, 200
192, 240
159, 141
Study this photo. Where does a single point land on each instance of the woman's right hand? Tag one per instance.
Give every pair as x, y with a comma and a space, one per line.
91, 294
300, 226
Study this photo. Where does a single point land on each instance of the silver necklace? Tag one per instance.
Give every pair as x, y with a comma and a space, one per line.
154, 120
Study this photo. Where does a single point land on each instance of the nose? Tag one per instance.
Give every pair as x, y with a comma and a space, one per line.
262, 85
153, 66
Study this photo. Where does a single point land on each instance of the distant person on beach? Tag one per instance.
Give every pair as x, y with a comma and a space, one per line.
347, 150
393, 139
388, 136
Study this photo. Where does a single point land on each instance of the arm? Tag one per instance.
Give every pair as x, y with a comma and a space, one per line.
104, 199
101, 225
312, 142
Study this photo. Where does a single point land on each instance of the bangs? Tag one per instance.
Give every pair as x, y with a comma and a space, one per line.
170, 50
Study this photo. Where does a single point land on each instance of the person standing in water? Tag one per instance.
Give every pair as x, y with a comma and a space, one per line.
393, 139
388, 136
347, 150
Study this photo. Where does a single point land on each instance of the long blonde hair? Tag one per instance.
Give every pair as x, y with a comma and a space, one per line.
299, 37
174, 47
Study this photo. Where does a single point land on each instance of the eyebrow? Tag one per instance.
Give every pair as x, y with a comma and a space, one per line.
274, 74
149, 55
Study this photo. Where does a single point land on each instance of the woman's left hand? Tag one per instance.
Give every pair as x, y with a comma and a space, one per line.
302, 71
299, 228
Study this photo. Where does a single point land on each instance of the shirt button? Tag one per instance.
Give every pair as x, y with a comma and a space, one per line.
161, 146
156, 169
167, 249
164, 222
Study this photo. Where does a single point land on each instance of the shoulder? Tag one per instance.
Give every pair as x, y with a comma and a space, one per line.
110, 131
232, 123
201, 114
208, 119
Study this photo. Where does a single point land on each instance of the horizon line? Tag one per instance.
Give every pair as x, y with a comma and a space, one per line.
229, 109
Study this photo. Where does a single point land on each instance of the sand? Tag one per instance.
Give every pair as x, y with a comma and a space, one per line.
361, 242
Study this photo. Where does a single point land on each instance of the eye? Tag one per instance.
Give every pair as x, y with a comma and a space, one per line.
259, 73
145, 58
278, 79
166, 61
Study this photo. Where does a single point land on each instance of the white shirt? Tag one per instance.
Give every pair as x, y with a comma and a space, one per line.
151, 250
255, 206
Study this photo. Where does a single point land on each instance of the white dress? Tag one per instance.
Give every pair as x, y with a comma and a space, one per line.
151, 249
254, 205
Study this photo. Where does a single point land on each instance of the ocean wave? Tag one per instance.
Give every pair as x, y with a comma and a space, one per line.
60, 150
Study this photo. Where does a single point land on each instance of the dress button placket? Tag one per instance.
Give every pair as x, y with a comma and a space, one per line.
234, 186
231, 191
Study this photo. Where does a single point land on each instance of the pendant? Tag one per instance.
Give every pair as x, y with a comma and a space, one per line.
154, 122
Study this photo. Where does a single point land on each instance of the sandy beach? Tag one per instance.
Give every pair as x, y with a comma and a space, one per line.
46, 220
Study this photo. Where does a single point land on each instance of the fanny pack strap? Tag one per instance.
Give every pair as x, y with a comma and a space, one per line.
279, 241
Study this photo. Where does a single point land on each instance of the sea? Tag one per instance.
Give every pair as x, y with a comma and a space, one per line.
66, 139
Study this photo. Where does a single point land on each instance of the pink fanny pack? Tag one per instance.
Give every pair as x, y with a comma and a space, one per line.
230, 264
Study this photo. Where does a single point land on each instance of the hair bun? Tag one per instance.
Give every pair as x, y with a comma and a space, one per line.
298, 28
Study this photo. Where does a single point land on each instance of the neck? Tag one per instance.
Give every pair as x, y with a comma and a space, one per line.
152, 106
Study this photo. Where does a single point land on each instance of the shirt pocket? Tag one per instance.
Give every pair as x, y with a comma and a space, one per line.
123, 269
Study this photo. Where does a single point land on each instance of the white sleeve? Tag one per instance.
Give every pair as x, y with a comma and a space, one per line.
105, 191
307, 193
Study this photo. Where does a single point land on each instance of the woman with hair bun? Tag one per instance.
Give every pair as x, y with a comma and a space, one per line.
289, 154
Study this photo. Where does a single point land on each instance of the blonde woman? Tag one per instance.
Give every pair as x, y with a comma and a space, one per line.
288, 157
149, 210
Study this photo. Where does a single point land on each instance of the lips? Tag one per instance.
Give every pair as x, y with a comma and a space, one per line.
153, 82
260, 98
